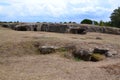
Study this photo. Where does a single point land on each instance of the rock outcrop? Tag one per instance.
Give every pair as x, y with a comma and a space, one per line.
100, 29
97, 54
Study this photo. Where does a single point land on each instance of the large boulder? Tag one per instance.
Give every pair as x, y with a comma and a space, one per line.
82, 54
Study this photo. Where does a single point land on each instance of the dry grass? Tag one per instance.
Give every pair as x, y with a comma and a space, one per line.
18, 59
113, 69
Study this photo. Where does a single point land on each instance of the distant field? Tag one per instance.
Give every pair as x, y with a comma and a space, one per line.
20, 60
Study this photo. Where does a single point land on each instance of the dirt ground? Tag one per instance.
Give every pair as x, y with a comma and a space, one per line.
19, 60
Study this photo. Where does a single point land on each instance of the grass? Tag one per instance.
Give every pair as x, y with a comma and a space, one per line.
77, 59
113, 69
62, 49
18, 49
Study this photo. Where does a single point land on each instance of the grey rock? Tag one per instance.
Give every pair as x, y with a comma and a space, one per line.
100, 51
47, 49
111, 53
82, 54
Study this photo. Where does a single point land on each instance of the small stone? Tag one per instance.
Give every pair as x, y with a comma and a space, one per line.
111, 53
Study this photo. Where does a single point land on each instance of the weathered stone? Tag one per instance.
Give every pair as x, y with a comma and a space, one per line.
78, 31
82, 54
100, 51
94, 28
50, 27
47, 49
111, 53
106, 52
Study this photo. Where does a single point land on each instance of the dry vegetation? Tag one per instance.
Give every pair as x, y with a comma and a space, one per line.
20, 60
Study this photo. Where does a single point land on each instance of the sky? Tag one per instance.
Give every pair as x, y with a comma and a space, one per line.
56, 10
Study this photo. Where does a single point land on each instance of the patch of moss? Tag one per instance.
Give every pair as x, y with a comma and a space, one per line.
97, 57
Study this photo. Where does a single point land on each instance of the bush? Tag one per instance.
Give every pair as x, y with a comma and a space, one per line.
86, 21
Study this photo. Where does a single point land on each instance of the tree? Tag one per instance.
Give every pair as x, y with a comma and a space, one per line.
65, 22
86, 21
60, 22
70, 22
95, 22
74, 22
107, 23
101, 23
115, 18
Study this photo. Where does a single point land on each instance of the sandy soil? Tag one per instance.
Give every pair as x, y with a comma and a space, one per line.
54, 66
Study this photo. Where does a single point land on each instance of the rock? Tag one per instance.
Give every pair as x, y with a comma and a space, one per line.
98, 38
106, 52
82, 54
47, 49
78, 30
100, 51
97, 57
111, 53
94, 28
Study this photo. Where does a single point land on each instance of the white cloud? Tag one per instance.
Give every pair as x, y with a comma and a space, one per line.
35, 7
56, 8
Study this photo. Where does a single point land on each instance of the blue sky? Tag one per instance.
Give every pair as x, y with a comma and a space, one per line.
56, 10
